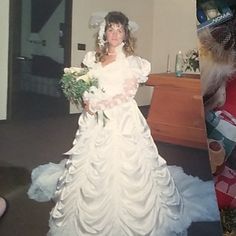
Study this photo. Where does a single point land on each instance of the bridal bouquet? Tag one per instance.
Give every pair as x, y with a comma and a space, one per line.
75, 81
78, 83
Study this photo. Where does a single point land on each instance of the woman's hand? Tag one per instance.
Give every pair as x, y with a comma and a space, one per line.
86, 107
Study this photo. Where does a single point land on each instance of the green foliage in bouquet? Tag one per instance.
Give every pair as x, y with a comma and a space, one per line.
75, 81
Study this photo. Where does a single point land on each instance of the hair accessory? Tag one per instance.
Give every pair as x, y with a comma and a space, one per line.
133, 26
101, 32
97, 20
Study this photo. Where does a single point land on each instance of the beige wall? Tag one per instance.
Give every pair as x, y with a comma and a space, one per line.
4, 25
174, 30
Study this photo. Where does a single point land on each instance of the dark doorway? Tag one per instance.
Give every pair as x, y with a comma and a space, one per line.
39, 49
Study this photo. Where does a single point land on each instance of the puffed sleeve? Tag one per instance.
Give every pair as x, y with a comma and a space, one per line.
140, 67
89, 59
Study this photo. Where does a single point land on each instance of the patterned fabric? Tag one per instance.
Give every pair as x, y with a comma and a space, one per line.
225, 184
219, 128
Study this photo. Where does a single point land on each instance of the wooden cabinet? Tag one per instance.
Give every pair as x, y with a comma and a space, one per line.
176, 112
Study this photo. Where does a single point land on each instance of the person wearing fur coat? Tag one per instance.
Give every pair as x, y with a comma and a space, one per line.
217, 61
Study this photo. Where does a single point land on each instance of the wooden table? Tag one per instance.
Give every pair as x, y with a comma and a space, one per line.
176, 112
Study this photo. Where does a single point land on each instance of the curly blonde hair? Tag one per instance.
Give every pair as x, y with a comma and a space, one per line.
116, 17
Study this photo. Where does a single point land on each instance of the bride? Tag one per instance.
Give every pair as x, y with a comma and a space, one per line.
114, 182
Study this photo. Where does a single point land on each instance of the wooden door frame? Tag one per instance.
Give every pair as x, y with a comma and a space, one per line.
68, 38
68, 32
11, 56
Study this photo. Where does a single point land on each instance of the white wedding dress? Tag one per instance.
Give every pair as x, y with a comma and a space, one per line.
114, 182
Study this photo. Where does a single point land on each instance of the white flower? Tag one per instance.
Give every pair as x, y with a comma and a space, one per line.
91, 73
67, 70
85, 78
76, 70
86, 96
93, 89
73, 70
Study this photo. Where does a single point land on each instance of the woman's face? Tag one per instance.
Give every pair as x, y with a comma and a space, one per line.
115, 34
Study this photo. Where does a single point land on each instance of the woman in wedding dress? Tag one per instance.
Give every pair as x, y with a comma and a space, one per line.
114, 182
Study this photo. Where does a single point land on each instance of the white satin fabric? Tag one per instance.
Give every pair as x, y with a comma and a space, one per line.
118, 81
114, 182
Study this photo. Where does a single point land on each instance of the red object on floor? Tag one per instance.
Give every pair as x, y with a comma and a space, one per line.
225, 182
230, 103
225, 186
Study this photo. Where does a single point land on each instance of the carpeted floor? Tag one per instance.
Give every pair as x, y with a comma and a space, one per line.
27, 144
34, 106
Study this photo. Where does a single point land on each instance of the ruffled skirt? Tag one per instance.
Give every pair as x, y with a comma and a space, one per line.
115, 183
